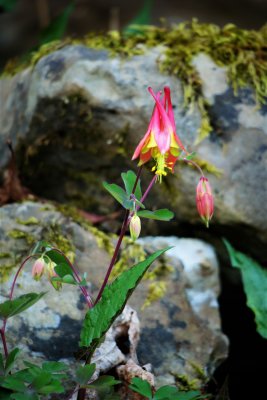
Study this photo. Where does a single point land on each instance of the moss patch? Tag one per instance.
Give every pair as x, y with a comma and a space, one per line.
18, 234
243, 52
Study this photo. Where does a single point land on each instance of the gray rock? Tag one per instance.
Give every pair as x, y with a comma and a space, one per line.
78, 113
180, 333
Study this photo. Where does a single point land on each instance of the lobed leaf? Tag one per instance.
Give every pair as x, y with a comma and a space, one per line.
160, 215
84, 373
142, 387
12, 356
99, 318
116, 191
129, 179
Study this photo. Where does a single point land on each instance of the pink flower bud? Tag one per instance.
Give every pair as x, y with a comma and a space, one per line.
135, 227
204, 200
38, 269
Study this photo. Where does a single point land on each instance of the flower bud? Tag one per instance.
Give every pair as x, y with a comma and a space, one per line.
135, 227
204, 200
38, 269
51, 273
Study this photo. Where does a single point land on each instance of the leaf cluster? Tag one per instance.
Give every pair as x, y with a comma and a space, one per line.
165, 392
132, 201
31, 382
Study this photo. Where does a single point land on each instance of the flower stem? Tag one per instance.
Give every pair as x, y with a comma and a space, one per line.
125, 224
84, 291
194, 164
3, 329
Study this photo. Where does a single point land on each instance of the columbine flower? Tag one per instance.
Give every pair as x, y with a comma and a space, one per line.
135, 227
160, 141
38, 268
204, 200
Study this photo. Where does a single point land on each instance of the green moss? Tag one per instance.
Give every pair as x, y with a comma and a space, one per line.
29, 221
54, 236
242, 51
104, 241
18, 234
185, 383
5, 255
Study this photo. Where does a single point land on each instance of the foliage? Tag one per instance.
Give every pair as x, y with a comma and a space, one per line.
100, 317
58, 26
163, 393
130, 201
34, 382
13, 307
8, 5
254, 279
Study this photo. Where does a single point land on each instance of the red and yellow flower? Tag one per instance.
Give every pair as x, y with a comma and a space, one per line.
161, 141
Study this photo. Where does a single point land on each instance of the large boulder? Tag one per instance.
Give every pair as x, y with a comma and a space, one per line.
180, 332
76, 117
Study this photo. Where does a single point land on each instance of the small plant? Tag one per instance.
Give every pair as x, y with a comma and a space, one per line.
165, 392
162, 145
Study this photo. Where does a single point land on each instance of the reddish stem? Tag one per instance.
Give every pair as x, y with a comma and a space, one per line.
3, 329
86, 295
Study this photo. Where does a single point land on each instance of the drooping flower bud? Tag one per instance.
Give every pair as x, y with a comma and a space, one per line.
38, 268
135, 227
204, 200
51, 273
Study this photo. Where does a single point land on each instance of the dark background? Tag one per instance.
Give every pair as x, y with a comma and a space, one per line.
20, 27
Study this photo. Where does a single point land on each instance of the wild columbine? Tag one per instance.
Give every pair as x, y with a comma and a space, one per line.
161, 141
204, 200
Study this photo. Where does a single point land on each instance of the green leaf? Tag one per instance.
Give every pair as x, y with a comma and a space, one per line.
2, 367
54, 387
13, 383
142, 387
142, 18
43, 378
8, 5
190, 395
12, 356
58, 26
13, 307
254, 279
165, 392
54, 366
63, 270
103, 382
129, 179
58, 258
84, 373
161, 215
116, 191
40, 247
99, 318
22, 396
